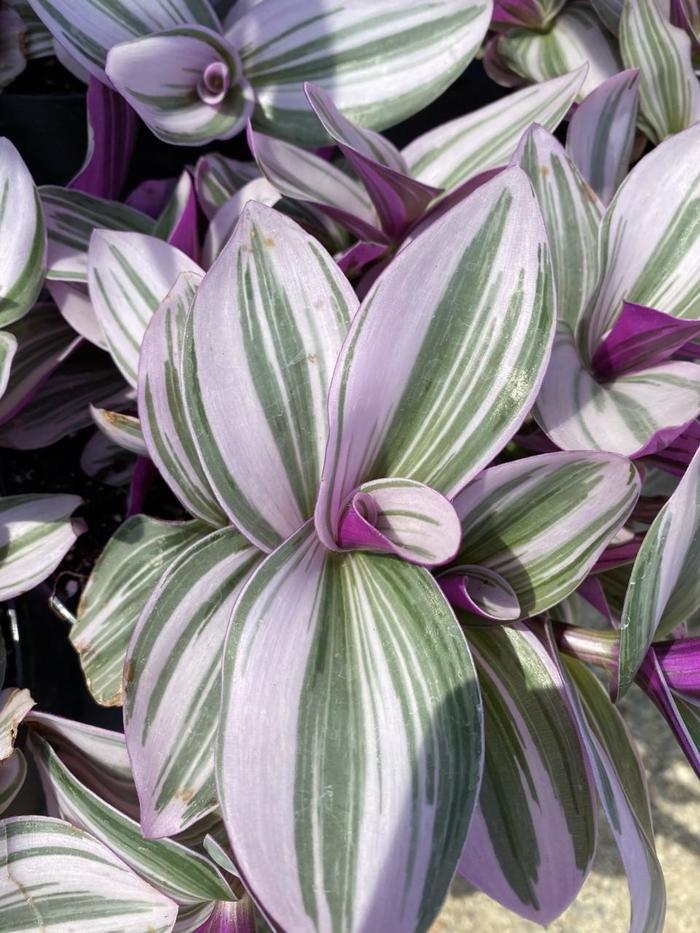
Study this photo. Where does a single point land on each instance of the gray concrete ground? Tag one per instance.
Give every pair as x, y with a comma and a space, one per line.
603, 904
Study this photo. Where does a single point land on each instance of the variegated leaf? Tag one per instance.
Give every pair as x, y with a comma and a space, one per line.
61, 403
166, 430
303, 176
96, 757
265, 330
634, 415
22, 234
124, 430
542, 522
73, 301
576, 38
119, 586
622, 790
223, 223
231, 917
397, 197
89, 31
381, 64
533, 835
450, 154
36, 532
129, 274
8, 349
663, 590
367, 761
176, 871
71, 216
217, 178
601, 133
180, 211
172, 695
14, 706
53, 876
461, 318
650, 239
669, 90
42, 340
571, 212
12, 775
185, 83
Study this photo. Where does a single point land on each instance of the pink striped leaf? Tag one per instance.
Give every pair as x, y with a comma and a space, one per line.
435, 344
261, 342
398, 198
367, 762
533, 836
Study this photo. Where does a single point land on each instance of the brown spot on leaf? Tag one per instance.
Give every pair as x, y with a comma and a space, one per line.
269, 241
544, 170
128, 672
186, 794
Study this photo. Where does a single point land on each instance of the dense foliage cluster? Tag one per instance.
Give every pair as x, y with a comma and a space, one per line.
430, 418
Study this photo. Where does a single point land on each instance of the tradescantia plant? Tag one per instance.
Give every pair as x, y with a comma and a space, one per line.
428, 423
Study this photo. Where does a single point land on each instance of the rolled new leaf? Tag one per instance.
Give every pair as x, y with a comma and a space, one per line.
380, 63
367, 761
129, 274
22, 234
446, 353
121, 582
173, 686
36, 532
542, 523
532, 840
601, 133
170, 440
260, 345
54, 871
450, 154
401, 517
185, 83
663, 590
